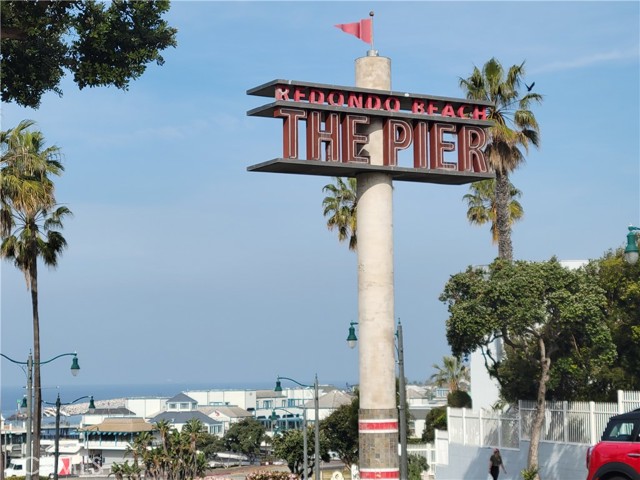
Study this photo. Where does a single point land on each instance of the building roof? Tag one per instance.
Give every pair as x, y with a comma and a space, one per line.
112, 411
120, 425
231, 412
331, 400
180, 418
181, 398
268, 394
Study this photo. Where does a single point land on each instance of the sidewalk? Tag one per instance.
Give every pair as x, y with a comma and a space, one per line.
240, 473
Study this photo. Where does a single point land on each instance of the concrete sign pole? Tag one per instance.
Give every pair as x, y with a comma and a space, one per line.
378, 418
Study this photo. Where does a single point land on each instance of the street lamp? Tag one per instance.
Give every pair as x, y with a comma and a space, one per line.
274, 418
402, 411
75, 368
58, 404
316, 426
631, 252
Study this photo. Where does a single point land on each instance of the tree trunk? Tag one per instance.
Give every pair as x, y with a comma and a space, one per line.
505, 247
37, 390
538, 419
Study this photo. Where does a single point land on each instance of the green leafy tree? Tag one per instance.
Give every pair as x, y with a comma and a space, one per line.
459, 399
515, 127
482, 205
452, 373
417, 465
537, 309
436, 419
341, 431
340, 206
30, 224
245, 437
289, 446
621, 282
99, 43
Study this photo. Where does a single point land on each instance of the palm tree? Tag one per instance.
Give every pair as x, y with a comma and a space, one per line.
515, 126
483, 206
30, 224
341, 206
194, 431
452, 373
26, 166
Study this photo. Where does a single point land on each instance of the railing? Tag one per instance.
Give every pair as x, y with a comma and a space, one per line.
579, 423
104, 444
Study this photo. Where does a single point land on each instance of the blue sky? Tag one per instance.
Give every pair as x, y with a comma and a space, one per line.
184, 267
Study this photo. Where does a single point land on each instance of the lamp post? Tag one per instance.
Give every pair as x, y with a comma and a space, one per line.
316, 425
58, 404
631, 252
75, 368
274, 417
352, 339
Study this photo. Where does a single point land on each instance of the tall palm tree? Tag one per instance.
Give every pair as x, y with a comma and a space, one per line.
26, 167
515, 127
341, 206
29, 223
452, 373
194, 431
482, 205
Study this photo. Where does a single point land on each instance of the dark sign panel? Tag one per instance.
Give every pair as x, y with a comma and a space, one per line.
332, 122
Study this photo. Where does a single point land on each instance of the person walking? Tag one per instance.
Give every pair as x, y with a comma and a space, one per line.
495, 462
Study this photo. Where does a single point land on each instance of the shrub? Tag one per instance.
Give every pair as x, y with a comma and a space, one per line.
267, 475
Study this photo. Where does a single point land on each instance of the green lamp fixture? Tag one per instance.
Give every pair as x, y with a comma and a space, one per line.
631, 252
351, 338
278, 386
75, 366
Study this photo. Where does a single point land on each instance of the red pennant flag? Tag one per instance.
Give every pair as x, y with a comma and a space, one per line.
361, 29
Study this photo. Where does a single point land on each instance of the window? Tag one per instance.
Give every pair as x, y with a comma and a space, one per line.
184, 406
215, 429
267, 404
619, 431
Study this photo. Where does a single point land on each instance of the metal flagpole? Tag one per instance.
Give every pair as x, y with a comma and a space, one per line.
372, 49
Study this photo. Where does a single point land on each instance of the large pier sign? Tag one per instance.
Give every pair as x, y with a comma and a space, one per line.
335, 122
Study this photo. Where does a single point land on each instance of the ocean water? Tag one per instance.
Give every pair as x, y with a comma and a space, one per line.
11, 395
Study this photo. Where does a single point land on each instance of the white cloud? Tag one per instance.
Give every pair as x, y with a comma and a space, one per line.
589, 60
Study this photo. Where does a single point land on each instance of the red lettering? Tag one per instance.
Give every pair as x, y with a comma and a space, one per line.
479, 113
432, 109
438, 145
392, 104
396, 135
447, 111
316, 96
355, 100
332, 101
298, 94
420, 145
460, 112
351, 141
417, 106
471, 142
316, 136
290, 118
373, 102
282, 93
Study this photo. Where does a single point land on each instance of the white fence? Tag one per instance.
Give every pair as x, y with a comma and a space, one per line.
579, 423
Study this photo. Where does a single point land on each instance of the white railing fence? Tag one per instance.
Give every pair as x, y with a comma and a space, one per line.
565, 422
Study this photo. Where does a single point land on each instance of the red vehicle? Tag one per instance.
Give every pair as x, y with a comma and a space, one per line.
617, 455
